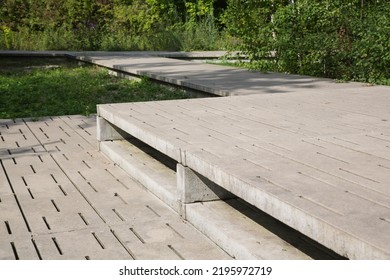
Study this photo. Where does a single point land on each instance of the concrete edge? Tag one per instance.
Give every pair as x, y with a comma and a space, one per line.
139, 133
328, 235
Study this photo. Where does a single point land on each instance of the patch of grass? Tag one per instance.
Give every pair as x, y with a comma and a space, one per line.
53, 89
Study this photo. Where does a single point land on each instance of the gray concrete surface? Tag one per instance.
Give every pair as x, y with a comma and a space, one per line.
214, 79
62, 199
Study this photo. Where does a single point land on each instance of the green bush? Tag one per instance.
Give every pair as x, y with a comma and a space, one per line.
337, 39
370, 50
200, 35
109, 25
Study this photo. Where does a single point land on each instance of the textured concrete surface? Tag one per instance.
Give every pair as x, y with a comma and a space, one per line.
316, 160
62, 199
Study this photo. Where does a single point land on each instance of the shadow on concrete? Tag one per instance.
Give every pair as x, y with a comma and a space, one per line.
25, 151
303, 243
231, 80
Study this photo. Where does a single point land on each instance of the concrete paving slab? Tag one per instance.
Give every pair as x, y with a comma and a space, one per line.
84, 126
156, 246
12, 223
18, 248
92, 243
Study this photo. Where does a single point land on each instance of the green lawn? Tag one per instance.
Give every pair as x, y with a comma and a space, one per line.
55, 86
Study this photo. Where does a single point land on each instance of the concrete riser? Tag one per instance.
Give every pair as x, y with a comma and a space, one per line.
201, 202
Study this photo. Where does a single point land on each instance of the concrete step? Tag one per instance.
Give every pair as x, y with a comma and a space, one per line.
302, 157
248, 233
256, 235
155, 176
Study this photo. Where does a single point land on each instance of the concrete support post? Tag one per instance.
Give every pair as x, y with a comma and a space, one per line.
193, 187
106, 131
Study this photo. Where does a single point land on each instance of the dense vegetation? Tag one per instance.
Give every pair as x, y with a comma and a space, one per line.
344, 39
111, 24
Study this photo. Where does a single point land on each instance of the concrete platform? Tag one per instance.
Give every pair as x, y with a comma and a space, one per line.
316, 159
213, 79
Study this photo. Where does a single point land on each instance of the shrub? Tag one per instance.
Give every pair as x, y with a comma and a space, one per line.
336, 39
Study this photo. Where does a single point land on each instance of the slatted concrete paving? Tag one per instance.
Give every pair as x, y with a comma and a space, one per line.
61, 199
317, 160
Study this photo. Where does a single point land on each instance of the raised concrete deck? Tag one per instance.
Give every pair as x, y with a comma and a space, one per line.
315, 154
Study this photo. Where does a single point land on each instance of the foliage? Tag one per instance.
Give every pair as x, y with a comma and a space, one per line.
108, 24
248, 21
370, 51
34, 90
337, 39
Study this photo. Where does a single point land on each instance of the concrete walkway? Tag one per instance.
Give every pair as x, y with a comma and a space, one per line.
215, 79
62, 199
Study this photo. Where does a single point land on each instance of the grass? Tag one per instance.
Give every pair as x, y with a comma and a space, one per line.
53, 87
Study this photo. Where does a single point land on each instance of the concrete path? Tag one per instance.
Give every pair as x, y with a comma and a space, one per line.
210, 78
62, 199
